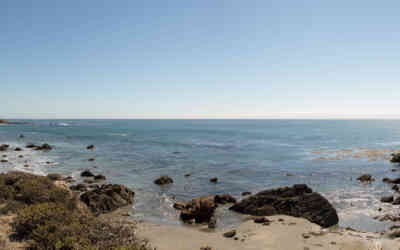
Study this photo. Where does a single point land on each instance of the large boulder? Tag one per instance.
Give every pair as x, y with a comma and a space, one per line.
298, 201
199, 209
108, 198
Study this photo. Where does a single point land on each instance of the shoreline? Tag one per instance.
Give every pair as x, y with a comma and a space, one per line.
303, 234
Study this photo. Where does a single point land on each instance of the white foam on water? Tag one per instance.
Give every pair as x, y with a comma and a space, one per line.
35, 160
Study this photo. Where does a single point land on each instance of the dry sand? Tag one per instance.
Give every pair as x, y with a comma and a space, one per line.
289, 234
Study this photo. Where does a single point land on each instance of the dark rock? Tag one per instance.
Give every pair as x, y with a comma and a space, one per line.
261, 220
90, 147
79, 187
188, 175
396, 201
88, 181
212, 223
366, 178
4, 156
54, 177
396, 188
3, 160
206, 248
91, 159
200, 209
393, 181
99, 177
31, 146
298, 201
108, 198
4, 147
44, 147
214, 180
230, 234
395, 158
224, 199
20, 156
87, 173
394, 169
163, 180
387, 199
94, 186
18, 149
246, 193
2, 121
179, 205
21, 136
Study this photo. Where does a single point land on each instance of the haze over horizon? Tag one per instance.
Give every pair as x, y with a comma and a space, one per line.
191, 59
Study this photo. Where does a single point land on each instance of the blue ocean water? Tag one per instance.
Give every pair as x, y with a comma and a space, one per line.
246, 155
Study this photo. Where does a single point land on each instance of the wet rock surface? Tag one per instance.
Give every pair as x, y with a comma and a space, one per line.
298, 201
199, 209
163, 180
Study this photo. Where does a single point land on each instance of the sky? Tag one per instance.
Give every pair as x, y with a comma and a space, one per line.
199, 59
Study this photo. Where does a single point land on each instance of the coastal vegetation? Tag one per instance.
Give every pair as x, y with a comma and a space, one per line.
48, 216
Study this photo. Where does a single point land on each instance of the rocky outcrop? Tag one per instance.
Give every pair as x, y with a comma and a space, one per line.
200, 210
298, 201
163, 180
224, 199
366, 178
108, 198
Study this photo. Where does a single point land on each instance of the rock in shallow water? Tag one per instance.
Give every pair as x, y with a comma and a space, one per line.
366, 178
199, 209
298, 201
163, 180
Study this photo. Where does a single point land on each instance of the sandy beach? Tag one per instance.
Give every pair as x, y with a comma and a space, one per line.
284, 233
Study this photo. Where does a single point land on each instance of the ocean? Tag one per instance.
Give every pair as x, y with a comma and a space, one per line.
245, 155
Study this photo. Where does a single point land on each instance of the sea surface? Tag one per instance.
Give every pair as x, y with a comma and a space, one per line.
245, 155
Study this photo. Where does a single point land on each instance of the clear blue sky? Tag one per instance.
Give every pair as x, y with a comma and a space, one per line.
211, 58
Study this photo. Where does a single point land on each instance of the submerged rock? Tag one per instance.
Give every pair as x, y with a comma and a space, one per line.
298, 201
90, 147
108, 198
18, 149
214, 180
163, 180
31, 146
366, 178
199, 209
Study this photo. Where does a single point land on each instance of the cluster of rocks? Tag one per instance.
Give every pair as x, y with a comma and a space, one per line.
44, 147
298, 201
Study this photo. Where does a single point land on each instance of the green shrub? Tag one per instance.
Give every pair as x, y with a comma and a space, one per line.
55, 227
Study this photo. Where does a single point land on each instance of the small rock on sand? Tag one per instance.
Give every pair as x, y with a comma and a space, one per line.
230, 234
